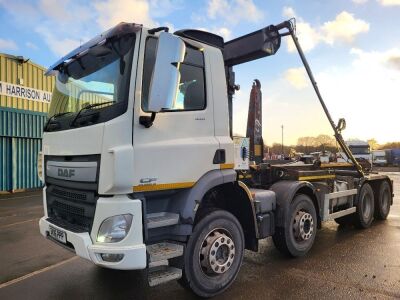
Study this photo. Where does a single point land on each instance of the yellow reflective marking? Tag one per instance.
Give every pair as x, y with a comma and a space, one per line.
226, 166
316, 177
164, 186
339, 164
257, 150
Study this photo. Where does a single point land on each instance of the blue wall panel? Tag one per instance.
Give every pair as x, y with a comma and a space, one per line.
20, 143
21, 123
24, 162
5, 164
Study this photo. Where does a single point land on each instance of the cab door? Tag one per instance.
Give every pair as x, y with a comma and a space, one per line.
180, 145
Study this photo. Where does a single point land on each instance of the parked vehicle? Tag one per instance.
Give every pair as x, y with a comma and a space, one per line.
379, 158
393, 157
360, 149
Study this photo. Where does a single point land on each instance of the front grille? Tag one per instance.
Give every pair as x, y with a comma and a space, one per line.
68, 209
69, 195
71, 209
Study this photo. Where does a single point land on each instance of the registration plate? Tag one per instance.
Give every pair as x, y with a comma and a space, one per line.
57, 234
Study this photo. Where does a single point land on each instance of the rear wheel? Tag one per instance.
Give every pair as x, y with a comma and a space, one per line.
383, 201
213, 255
297, 236
365, 207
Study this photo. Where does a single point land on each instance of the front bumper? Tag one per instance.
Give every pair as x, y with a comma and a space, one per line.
132, 247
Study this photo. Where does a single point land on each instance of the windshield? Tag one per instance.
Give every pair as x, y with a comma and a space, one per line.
359, 149
93, 87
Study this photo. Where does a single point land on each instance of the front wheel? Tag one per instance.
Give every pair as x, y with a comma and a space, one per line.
214, 254
298, 234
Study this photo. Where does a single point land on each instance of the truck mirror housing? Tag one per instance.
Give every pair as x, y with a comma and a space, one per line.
166, 76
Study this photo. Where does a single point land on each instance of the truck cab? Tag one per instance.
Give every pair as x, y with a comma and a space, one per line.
379, 158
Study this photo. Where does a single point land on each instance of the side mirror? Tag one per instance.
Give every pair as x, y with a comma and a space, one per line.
166, 76
341, 125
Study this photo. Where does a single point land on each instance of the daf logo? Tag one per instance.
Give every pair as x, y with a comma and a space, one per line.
66, 172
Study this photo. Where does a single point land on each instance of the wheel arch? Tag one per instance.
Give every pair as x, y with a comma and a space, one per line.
285, 191
235, 198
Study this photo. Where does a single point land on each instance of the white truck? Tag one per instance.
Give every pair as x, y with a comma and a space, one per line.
139, 168
360, 150
379, 158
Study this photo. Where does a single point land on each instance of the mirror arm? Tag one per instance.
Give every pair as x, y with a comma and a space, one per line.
157, 29
147, 121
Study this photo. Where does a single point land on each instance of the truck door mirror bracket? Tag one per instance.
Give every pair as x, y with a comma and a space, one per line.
147, 121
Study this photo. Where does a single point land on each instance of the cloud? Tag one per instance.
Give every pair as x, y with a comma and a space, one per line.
389, 2
234, 11
365, 93
308, 36
8, 45
297, 77
55, 9
222, 31
59, 46
394, 62
31, 45
359, 1
112, 12
162, 8
389, 59
344, 28
288, 12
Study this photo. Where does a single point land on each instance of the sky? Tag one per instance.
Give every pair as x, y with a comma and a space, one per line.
352, 46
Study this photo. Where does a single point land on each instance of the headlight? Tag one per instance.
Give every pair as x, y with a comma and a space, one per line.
114, 229
40, 165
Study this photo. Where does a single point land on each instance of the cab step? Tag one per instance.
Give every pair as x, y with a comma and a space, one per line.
164, 275
163, 251
161, 219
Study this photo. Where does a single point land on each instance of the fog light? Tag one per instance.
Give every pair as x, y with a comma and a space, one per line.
114, 229
108, 257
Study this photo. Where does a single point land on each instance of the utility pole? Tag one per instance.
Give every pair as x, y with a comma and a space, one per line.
283, 154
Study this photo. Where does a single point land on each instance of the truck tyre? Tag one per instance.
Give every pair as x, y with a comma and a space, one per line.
365, 207
213, 254
298, 234
383, 201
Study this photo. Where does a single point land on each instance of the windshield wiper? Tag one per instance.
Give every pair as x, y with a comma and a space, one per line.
53, 117
85, 108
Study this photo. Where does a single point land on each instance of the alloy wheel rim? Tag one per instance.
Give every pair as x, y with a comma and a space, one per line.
217, 252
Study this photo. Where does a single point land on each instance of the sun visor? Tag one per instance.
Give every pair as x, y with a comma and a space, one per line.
119, 30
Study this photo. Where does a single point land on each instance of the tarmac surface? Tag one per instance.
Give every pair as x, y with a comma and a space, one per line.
343, 263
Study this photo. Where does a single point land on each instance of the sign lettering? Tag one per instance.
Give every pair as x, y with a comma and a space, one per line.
23, 92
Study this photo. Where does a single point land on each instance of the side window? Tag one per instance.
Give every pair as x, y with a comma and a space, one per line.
148, 66
191, 93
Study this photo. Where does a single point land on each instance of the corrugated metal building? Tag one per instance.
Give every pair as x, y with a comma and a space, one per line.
25, 94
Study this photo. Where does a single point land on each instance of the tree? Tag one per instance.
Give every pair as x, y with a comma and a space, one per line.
373, 144
325, 140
